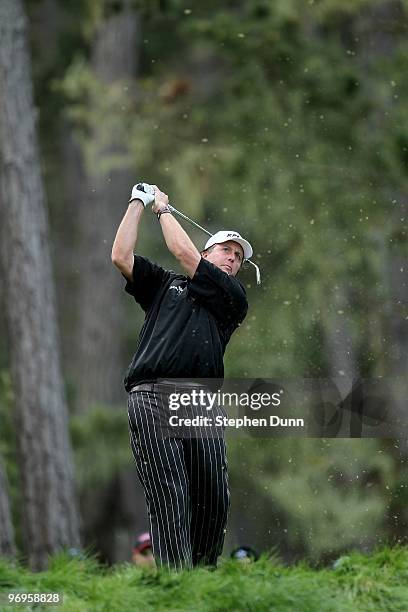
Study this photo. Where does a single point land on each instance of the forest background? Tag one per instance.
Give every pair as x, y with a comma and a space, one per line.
283, 120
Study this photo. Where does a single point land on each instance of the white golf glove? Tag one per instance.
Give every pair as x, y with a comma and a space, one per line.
143, 192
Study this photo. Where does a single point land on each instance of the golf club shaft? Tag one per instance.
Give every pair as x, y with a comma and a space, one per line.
183, 216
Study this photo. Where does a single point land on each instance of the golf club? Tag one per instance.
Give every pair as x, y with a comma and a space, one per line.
142, 186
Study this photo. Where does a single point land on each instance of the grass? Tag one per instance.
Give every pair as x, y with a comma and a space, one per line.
357, 582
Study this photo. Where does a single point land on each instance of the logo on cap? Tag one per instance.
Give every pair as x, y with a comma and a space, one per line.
233, 235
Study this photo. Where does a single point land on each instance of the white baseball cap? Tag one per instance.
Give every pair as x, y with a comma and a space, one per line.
224, 236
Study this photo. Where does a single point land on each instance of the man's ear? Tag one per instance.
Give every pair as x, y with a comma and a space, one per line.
204, 254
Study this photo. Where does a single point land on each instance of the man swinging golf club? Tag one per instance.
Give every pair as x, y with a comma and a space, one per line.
188, 323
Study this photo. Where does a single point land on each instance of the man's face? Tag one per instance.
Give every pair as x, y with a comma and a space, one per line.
144, 558
227, 256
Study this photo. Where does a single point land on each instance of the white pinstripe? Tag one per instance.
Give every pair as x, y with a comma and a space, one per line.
146, 484
167, 523
177, 529
198, 546
169, 490
185, 526
163, 491
211, 531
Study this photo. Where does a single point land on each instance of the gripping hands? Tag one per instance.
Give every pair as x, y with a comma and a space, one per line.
143, 192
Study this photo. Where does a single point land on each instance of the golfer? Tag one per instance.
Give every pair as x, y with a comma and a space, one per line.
188, 323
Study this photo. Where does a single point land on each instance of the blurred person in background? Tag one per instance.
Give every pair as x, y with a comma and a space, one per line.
244, 554
142, 553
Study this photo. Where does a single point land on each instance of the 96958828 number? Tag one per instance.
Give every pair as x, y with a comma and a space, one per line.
19, 598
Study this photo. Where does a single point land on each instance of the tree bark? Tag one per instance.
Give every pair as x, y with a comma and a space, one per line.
7, 545
99, 354
50, 518
380, 31
103, 193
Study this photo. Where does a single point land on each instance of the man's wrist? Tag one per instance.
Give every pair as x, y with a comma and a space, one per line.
160, 212
135, 202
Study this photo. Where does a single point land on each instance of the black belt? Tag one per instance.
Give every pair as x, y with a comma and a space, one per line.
168, 387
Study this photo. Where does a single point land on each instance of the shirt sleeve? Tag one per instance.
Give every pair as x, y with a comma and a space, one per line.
221, 294
147, 280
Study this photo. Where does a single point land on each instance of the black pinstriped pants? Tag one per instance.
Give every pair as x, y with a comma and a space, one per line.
185, 481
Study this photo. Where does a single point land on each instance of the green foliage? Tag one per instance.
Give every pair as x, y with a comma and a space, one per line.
298, 139
110, 109
6, 402
327, 495
101, 445
300, 147
8, 450
356, 583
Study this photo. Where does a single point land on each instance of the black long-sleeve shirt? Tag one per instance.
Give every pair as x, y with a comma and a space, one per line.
188, 322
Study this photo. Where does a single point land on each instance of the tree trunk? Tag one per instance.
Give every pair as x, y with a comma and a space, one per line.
98, 350
7, 546
50, 519
380, 31
99, 354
